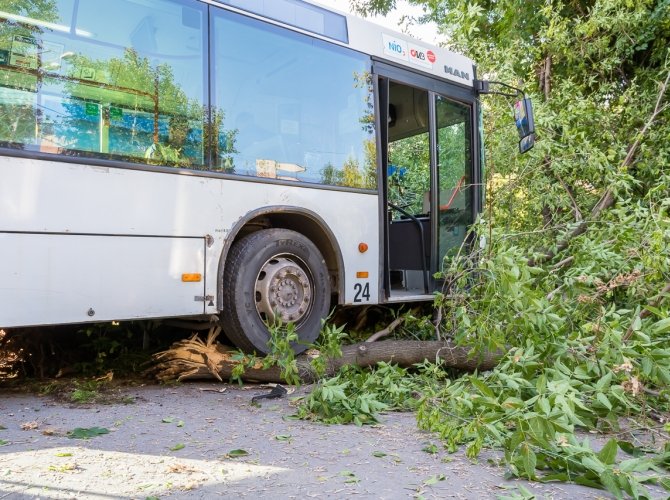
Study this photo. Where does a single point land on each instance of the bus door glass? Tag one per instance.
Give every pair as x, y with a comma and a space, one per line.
454, 160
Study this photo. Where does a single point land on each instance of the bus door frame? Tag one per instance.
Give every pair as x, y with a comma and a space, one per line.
382, 73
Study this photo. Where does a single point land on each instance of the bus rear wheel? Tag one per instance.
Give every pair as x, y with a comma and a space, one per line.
271, 275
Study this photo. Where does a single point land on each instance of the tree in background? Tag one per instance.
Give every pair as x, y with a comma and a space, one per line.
574, 279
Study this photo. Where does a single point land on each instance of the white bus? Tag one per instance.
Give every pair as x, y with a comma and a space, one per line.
245, 158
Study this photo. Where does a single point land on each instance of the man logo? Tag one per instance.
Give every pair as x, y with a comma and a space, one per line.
460, 74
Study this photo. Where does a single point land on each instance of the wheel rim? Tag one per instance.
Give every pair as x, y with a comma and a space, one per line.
284, 290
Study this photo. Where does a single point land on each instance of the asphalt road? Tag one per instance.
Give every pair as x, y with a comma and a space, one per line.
179, 442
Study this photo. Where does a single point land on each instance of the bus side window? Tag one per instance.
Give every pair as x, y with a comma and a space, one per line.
300, 108
127, 79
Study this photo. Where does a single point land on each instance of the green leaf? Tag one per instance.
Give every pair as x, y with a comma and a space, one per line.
630, 448
544, 405
63, 454
602, 399
559, 476
87, 433
473, 449
610, 483
529, 461
237, 453
587, 480
637, 323
608, 454
593, 464
283, 437
168, 420
3, 442
178, 446
662, 326
350, 475
430, 448
180, 423
482, 387
604, 382
378, 454
434, 479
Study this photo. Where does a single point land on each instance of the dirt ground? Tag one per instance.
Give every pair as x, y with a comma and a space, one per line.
183, 441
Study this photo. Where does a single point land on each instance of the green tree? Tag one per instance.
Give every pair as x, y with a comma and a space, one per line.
575, 278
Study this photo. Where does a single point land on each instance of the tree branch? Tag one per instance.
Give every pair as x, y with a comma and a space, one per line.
565, 262
388, 330
607, 199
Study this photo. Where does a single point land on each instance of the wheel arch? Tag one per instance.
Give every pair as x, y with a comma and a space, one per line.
301, 220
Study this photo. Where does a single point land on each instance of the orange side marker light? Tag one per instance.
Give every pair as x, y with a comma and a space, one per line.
191, 277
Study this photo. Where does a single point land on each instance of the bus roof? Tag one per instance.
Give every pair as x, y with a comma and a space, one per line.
362, 35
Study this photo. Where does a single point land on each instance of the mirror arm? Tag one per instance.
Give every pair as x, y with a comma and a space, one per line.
484, 87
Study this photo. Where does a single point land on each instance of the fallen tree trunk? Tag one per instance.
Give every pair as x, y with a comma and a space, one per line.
194, 358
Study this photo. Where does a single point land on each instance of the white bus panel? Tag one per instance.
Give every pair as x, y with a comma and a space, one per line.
74, 278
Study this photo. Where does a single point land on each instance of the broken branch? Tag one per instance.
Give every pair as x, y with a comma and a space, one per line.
386, 331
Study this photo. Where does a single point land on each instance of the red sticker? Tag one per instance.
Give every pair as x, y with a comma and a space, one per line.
431, 56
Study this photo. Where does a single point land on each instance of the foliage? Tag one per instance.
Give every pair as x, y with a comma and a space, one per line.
329, 346
237, 453
571, 366
87, 433
357, 395
114, 345
85, 391
584, 324
282, 338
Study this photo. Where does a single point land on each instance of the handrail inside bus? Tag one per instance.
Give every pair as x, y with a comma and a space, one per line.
423, 244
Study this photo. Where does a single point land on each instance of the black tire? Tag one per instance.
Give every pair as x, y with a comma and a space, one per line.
268, 266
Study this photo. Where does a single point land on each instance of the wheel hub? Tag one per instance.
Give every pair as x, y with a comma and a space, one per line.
283, 291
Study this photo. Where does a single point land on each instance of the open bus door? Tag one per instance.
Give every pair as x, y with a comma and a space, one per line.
430, 177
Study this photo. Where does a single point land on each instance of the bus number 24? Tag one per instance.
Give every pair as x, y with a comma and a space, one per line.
362, 292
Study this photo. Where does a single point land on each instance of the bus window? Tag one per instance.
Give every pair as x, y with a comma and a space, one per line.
293, 107
408, 150
121, 80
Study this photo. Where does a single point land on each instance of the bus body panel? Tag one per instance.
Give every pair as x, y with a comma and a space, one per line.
78, 278
86, 206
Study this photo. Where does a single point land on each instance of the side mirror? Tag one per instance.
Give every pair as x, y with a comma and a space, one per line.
525, 124
527, 143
